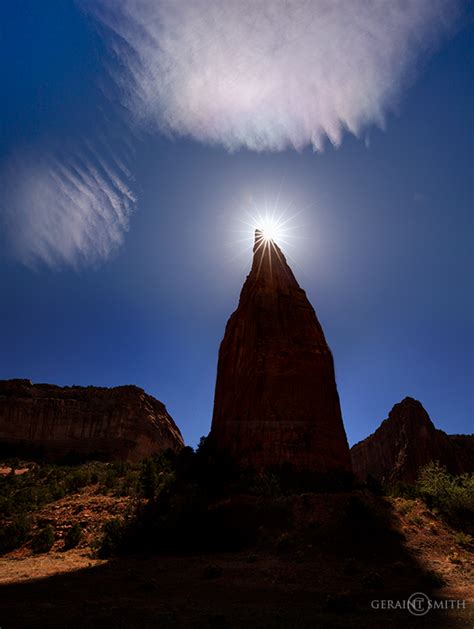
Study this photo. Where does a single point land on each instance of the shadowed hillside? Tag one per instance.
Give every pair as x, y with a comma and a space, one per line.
185, 546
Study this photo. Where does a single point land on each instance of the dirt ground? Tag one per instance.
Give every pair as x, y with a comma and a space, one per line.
225, 590
300, 584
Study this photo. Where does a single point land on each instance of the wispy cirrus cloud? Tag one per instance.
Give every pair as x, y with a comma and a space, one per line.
259, 74
267, 74
65, 209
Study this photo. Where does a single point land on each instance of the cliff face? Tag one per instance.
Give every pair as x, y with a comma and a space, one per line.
407, 441
52, 422
276, 399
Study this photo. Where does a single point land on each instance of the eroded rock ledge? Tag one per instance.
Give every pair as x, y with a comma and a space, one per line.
53, 423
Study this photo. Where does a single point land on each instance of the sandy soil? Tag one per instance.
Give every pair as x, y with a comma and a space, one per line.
18, 568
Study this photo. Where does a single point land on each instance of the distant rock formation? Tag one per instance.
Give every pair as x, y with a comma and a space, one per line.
56, 423
276, 399
407, 441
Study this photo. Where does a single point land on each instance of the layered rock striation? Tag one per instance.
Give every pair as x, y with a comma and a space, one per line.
405, 442
276, 399
56, 423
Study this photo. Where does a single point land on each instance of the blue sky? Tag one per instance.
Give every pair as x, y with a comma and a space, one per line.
383, 246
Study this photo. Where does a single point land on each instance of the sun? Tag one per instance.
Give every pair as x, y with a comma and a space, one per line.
271, 223
274, 227
270, 229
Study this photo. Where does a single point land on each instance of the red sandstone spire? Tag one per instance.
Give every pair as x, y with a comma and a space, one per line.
276, 399
269, 265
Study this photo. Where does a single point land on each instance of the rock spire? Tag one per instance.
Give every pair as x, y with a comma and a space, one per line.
276, 399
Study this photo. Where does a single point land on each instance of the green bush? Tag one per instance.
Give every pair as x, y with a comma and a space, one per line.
46, 483
113, 533
452, 495
14, 534
149, 479
129, 485
73, 536
43, 541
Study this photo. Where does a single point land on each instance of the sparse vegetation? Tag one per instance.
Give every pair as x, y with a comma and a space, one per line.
14, 533
21, 495
46, 483
73, 536
416, 520
198, 502
112, 540
43, 541
405, 506
454, 557
443, 493
434, 579
452, 495
464, 540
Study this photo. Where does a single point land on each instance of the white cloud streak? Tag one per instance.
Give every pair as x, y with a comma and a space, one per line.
267, 74
260, 74
71, 210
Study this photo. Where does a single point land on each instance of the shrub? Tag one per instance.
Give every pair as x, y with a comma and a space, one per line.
452, 495
434, 579
77, 479
14, 534
416, 520
129, 485
73, 536
464, 540
405, 507
112, 538
43, 541
149, 479
453, 557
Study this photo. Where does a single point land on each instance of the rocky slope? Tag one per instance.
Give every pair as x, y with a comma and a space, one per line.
54, 423
276, 399
321, 566
407, 441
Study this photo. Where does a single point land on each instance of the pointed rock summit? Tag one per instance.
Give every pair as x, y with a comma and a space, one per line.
276, 399
405, 442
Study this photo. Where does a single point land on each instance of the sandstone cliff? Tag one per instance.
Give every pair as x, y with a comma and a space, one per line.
276, 399
51, 422
407, 441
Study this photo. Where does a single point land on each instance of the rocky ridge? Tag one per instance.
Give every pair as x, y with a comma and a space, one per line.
405, 442
50, 422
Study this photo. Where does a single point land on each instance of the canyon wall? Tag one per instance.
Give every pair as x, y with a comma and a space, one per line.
55, 423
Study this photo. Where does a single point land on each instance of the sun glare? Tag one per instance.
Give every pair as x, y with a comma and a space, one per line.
269, 229
275, 224
274, 227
